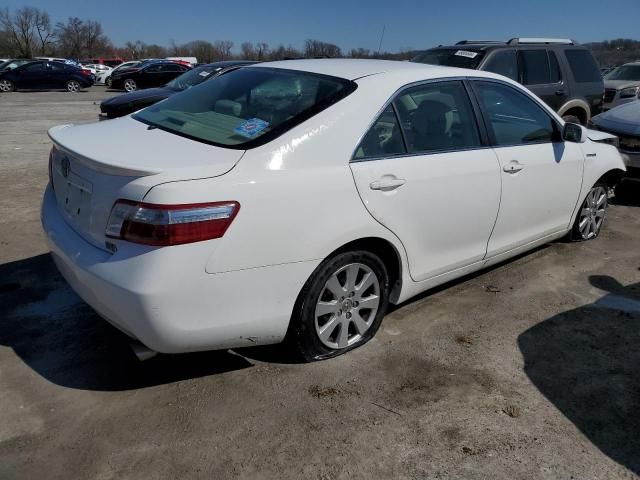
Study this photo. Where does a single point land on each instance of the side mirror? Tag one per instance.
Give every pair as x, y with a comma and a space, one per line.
572, 132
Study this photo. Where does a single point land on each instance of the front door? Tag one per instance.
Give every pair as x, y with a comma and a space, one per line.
541, 174
423, 172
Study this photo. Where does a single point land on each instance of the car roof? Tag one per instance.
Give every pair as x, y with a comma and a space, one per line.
353, 69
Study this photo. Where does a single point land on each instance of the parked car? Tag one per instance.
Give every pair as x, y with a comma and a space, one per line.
122, 66
147, 75
127, 103
45, 75
99, 71
14, 63
622, 85
296, 200
561, 72
109, 62
624, 122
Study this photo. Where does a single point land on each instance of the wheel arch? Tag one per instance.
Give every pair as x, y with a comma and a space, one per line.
387, 252
578, 108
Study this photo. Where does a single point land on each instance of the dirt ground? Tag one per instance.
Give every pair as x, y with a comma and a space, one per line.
529, 370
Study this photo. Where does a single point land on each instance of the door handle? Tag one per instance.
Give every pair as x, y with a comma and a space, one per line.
386, 184
513, 167
560, 92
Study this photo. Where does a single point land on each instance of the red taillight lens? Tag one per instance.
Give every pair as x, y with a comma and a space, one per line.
85, 72
165, 225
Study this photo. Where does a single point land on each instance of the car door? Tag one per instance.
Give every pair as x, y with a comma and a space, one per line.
541, 174
541, 74
59, 73
424, 171
33, 76
171, 71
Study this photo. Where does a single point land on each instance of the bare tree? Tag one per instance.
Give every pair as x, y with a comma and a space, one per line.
203, 50
79, 38
25, 29
224, 48
317, 48
262, 51
247, 50
45, 31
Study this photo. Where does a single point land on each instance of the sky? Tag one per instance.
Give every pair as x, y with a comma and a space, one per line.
408, 24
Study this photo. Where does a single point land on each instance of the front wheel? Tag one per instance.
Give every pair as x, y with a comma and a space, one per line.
591, 215
73, 86
130, 85
341, 306
7, 86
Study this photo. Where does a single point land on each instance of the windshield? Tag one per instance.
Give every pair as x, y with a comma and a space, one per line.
193, 77
11, 64
246, 107
451, 57
625, 72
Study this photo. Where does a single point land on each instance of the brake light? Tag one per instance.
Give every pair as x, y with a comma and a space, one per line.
164, 225
85, 72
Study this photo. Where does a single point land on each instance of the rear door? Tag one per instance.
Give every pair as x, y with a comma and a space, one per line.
58, 74
424, 172
541, 174
171, 71
541, 74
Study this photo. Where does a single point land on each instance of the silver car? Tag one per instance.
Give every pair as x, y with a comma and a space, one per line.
624, 122
622, 85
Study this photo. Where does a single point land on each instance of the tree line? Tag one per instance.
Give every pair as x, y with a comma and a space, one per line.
28, 32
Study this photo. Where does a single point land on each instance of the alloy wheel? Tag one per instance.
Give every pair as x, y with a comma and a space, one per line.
592, 213
5, 86
73, 86
347, 306
130, 85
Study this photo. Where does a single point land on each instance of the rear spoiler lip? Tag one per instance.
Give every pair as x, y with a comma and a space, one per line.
106, 168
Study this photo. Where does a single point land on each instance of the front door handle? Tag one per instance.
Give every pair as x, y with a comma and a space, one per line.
560, 92
513, 167
387, 183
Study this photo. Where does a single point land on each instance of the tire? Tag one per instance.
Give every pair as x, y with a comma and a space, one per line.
7, 86
107, 82
130, 85
328, 318
73, 86
572, 119
591, 215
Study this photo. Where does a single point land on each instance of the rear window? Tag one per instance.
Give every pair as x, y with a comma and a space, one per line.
583, 66
246, 107
451, 57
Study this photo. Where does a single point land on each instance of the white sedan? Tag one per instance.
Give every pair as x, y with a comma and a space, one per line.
295, 200
101, 72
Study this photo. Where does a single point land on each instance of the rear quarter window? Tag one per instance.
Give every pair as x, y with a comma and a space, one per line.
583, 66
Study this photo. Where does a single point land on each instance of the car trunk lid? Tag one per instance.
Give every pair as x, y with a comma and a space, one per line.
94, 165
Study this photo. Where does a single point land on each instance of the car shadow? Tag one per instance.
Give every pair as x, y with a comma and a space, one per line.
586, 362
61, 338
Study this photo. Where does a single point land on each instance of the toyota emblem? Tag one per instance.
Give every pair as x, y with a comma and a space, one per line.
65, 166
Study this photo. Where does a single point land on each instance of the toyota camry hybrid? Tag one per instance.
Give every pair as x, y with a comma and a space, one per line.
296, 200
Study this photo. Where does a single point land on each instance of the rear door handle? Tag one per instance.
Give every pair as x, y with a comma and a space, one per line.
513, 167
386, 184
560, 92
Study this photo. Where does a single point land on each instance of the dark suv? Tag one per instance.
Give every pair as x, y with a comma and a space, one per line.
561, 72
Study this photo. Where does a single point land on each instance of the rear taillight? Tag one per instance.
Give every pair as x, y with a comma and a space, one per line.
164, 225
85, 72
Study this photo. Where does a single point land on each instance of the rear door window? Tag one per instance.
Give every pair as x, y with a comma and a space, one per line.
554, 68
383, 139
437, 117
503, 62
535, 67
583, 66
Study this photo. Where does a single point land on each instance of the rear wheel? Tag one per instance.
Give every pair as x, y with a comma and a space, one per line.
73, 86
107, 82
341, 306
591, 215
6, 86
130, 85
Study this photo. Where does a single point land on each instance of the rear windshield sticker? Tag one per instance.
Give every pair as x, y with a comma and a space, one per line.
466, 53
205, 74
250, 128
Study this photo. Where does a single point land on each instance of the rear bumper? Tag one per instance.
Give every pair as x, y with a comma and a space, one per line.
164, 298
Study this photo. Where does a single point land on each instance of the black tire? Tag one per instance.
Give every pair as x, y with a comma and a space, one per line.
9, 86
576, 235
107, 82
302, 336
572, 119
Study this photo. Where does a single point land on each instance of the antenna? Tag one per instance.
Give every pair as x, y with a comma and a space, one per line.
384, 27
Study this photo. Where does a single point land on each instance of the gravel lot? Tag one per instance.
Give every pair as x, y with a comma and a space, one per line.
529, 370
